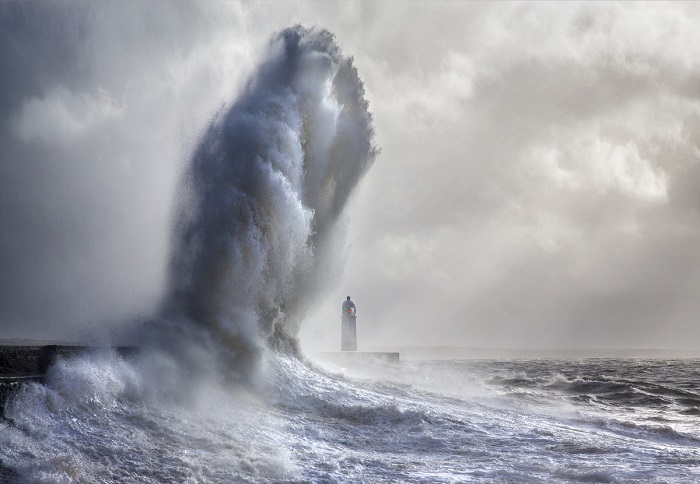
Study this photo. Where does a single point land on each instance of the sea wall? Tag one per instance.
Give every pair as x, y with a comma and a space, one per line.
22, 363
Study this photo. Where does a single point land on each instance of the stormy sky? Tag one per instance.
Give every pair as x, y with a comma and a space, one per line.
538, 186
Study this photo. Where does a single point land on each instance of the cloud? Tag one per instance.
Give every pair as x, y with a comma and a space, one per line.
63, 114
542, 209
596, 164
99, 110
537, 184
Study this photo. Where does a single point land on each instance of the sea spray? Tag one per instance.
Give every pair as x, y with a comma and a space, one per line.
258, 203
262, 194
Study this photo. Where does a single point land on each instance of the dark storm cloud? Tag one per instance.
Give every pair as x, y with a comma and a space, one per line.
34, 57
91, 142
40, 46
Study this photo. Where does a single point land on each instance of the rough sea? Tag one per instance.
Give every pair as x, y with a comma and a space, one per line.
97, 419
219, 391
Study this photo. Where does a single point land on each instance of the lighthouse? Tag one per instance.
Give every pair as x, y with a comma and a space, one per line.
348, 329
348, 354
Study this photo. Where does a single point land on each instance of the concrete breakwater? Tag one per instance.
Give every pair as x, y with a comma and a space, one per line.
29, 362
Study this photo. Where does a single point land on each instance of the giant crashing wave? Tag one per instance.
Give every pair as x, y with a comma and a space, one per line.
261, 197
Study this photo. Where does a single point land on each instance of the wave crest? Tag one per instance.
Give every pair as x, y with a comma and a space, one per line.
263, 192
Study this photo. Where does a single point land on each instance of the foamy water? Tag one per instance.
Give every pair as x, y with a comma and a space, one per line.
474, 421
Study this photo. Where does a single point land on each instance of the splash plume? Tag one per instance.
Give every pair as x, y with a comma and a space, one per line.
262, 193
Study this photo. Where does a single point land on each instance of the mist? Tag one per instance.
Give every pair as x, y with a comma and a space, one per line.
537, 185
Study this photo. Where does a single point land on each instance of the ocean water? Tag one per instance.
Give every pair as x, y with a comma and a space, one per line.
97, 419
